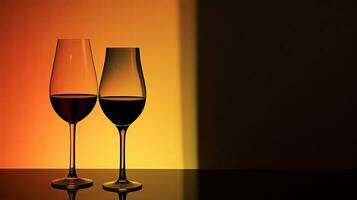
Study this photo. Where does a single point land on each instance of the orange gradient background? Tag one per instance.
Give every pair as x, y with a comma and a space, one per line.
33, 136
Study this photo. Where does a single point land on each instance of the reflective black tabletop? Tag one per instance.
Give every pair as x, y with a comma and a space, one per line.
16, 184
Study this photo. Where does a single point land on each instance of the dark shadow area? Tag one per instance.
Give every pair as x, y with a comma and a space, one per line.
277, 86
225, 184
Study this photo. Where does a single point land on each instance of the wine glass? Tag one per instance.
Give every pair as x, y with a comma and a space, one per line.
73, 94
122, 97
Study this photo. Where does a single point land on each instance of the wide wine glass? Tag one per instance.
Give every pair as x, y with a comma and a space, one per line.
73, 93
122, 97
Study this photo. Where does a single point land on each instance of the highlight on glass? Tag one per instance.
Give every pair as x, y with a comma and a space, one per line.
73, 94
122, 96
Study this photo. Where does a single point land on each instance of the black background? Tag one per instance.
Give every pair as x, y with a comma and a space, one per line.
277, 84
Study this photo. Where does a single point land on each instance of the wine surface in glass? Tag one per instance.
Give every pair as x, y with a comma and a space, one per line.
122, 110
73, 107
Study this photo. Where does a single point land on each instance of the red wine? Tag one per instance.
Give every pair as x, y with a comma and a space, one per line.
122, 110
73, 107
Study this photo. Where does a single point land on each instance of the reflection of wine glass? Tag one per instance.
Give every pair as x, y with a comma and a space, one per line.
71, 193
73, 93
122, 97
123, 195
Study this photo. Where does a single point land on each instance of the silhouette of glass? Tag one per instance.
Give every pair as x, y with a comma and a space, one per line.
73, 94
122, 97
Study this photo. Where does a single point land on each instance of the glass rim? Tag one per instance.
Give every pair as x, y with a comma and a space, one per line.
73, 39
122, 48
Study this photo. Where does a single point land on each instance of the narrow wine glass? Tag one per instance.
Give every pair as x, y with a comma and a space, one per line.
122, 97
73, 94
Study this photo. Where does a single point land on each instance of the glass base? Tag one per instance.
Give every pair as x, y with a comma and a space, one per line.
128, 186
70, 183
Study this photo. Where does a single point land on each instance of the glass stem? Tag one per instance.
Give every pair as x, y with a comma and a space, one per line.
72, 162
122, 170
